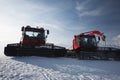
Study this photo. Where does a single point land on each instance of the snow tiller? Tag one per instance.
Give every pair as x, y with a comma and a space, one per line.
33, 43
92, 45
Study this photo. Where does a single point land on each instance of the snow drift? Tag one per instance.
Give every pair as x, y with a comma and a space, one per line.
42, 68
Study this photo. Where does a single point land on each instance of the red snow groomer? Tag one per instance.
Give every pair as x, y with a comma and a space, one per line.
33, 43
92, 45
88, 40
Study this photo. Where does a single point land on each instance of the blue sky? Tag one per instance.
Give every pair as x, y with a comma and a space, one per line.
63, 18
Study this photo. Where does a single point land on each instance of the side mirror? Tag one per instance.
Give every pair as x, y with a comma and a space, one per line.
48, 32
104, 38
75, 36
22, 29
99, 38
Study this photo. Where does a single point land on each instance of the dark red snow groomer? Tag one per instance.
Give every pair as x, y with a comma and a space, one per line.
33, 43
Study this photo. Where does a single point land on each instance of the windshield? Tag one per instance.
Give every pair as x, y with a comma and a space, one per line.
33, 34
88, 41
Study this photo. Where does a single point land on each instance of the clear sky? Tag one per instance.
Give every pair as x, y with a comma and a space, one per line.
63, 18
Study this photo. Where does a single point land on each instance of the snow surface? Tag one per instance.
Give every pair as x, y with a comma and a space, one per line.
43, 68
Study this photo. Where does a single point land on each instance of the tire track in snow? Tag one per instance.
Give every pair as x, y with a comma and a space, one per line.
21, 69
47, 75
14, 70
30, 68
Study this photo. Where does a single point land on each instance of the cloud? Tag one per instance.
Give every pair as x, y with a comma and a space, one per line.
84, 9
15, 14
25, 11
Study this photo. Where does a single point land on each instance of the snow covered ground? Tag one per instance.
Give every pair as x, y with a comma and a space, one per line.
42, 68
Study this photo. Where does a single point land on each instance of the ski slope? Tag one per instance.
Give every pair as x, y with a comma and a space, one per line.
43, 68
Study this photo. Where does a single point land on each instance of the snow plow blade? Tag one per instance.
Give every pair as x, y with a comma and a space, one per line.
46, 50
